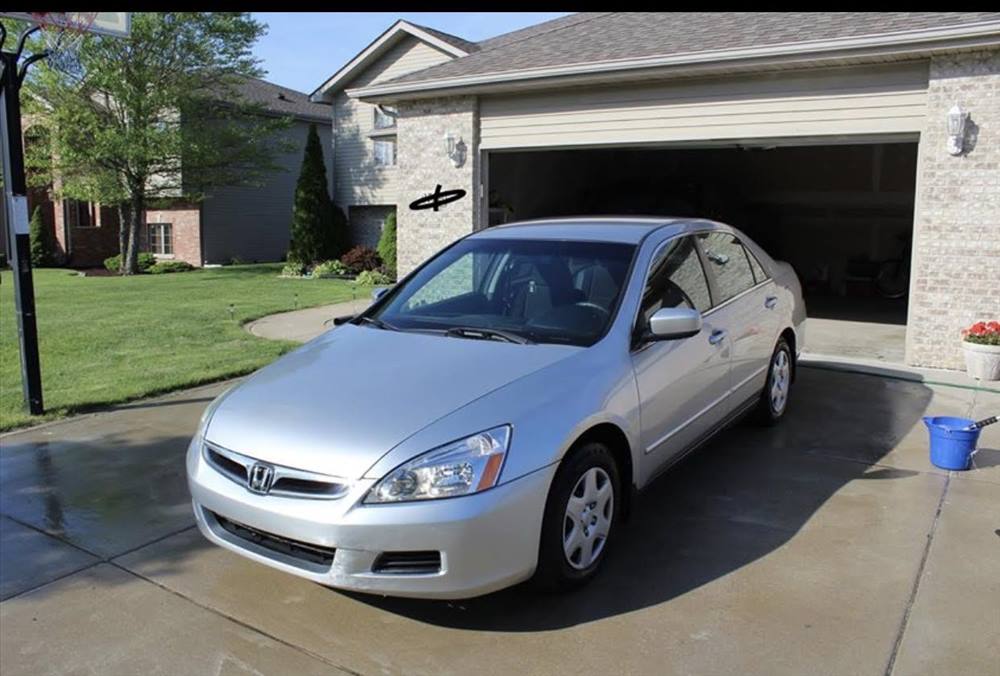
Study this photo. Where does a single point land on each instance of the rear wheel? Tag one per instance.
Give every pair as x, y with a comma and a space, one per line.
581, 516
777, 390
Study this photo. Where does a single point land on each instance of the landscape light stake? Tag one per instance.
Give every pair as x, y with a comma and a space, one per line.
16, 199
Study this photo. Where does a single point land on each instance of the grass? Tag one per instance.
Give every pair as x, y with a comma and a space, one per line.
107, 340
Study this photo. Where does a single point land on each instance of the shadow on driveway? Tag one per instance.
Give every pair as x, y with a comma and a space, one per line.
735, 501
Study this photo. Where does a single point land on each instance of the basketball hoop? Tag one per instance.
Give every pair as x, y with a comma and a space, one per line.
62, 33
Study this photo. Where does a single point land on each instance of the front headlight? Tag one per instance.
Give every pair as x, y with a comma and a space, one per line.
206, 416
462, 467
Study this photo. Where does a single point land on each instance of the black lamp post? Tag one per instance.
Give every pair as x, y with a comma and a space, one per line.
17, 215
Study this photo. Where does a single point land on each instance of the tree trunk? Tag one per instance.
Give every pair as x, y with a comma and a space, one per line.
123, 219
136, 220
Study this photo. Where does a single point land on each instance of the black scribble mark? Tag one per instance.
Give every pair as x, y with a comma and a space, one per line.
437, 199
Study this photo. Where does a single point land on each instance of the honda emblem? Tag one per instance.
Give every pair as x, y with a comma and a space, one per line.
260, 478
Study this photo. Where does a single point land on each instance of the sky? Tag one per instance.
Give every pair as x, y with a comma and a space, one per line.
302, 49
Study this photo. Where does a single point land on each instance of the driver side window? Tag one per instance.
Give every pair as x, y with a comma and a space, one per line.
676, 279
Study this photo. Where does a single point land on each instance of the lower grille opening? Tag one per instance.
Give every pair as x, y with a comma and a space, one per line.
276, 543
408, 563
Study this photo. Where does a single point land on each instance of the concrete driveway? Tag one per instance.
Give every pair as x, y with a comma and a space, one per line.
828, 545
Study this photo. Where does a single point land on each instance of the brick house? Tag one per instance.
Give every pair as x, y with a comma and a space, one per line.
822, 135
248, 223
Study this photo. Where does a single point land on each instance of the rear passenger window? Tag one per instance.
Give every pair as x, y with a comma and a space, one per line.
676, 279
729, 264
758, 270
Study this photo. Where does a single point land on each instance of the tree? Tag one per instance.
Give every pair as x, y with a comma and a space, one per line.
41, 241
387, 244
155, 115
318, 225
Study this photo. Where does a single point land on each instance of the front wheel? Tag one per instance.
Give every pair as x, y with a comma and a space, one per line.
778, 387
581, 516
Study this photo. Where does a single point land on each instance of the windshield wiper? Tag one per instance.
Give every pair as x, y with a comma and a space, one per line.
378, 323
487, 334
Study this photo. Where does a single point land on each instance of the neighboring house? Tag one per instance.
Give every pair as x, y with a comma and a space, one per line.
245, 223
823, 135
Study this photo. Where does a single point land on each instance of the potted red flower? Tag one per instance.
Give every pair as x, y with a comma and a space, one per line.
981, 343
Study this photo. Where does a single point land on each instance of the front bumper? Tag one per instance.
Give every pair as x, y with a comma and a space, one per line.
487, 541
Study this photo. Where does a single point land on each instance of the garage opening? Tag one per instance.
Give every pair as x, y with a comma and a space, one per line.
841, 215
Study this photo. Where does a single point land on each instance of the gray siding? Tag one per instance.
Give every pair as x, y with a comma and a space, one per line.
358, 180
253, 223
833, 101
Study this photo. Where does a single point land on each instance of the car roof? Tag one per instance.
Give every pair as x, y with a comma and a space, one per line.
622, 229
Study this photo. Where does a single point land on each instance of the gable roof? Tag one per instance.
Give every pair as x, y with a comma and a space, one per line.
619, 41
401, 29
282, 100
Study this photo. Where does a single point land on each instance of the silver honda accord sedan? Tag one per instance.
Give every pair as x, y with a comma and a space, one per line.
490, 417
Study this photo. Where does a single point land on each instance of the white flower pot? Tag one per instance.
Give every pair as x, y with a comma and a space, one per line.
982, 361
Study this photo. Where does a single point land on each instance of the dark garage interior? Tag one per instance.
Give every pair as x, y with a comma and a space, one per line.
842, 215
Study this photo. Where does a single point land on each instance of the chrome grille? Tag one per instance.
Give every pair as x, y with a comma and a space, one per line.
288, 481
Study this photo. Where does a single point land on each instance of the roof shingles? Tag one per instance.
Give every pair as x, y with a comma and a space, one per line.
597, 37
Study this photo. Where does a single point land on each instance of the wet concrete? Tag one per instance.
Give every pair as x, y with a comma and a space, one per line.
826, 545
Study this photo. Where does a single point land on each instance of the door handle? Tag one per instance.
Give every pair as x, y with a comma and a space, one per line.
770, 302
716, 336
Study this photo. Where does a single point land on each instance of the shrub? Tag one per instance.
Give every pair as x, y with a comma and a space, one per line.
387, 245
319, 228
372, 278
293, 269
145, 261
171, 266
982, 333
326, 269
361, 258
42, 248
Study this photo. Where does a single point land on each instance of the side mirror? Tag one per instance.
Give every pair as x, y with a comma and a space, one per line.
378, 293
674, 322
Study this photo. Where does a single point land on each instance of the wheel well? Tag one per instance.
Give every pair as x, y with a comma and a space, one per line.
789, 337
614, 438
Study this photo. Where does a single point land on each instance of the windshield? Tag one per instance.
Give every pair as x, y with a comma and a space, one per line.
536, 290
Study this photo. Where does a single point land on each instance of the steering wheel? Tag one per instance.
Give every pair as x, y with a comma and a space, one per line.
594, 306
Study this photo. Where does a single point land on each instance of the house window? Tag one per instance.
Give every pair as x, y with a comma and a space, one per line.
161, 238
77, 214
385, 117
385, 152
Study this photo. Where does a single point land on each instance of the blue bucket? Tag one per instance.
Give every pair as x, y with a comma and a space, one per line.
951, 444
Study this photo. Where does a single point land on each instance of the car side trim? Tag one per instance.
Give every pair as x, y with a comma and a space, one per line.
659, 442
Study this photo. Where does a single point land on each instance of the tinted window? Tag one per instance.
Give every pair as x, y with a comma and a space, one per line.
758, 270
728, 262
547, 291
676, 279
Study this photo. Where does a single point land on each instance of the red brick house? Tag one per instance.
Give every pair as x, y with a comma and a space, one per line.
245, 223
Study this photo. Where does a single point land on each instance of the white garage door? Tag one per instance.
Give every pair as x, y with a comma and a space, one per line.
873, 100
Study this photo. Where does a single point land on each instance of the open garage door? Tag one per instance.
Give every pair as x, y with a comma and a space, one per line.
842, 215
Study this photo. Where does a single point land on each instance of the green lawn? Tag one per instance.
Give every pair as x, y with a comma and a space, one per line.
107, 340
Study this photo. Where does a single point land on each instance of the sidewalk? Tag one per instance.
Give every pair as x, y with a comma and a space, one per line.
304, 325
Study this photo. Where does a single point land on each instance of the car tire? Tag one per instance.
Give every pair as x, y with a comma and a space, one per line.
774, 399
576, 537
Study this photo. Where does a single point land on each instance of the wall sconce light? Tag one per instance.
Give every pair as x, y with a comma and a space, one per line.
455, 149
958, 120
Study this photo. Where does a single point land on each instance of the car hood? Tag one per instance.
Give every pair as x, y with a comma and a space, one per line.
340, 402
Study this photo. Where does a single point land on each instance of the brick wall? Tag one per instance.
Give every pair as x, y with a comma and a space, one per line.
87, 246
956, 260
185, 220
423, 164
